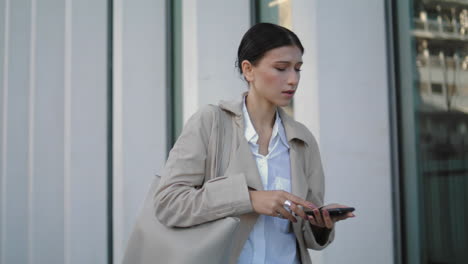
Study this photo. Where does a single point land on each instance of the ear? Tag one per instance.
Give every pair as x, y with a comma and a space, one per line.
247, 70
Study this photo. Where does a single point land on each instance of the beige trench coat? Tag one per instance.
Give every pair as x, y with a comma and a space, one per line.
184, 199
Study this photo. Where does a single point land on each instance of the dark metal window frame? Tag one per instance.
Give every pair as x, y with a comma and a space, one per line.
169, 75
392, 44
110, 76
174, 95
254, 12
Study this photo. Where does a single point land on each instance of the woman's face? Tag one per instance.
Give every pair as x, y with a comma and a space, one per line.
276, 75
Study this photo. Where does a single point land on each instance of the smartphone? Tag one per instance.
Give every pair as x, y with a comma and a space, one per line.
335, 211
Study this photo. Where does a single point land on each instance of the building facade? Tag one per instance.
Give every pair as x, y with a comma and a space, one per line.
94, 93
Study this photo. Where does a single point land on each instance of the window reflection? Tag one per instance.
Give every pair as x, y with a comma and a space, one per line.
440, 31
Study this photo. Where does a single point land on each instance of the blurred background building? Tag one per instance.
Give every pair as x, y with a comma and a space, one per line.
93, 93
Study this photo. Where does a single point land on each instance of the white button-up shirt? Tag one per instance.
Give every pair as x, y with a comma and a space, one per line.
270, 240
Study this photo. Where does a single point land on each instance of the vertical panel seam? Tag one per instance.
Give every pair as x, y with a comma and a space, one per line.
32, 92
67, 126
109, 128
117, 117
170, 62
5, 130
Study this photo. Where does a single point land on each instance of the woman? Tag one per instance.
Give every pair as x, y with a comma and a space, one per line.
271, 196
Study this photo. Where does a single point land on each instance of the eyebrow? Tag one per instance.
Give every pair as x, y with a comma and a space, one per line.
288, 62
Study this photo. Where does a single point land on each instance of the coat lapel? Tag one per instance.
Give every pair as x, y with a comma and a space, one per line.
296, 140
298, 177
244, 161
247, 159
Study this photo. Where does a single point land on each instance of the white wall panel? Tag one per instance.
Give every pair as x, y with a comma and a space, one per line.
354, 127
214, 38
88, 132
4, 25
54, 131
221, 25
15, 191
139, 108
49, 138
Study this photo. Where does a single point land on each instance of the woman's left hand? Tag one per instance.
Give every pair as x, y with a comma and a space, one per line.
322, 218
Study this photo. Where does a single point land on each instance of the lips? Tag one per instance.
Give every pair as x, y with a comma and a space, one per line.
289, 92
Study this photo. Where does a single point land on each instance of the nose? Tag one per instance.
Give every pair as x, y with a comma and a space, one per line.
293, 78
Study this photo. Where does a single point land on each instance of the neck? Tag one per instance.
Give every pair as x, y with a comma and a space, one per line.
262, 113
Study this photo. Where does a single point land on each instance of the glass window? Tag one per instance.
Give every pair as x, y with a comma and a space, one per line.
432, 55
275, 11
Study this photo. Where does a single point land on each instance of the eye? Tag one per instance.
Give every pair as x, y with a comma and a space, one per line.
298, 70
280, 69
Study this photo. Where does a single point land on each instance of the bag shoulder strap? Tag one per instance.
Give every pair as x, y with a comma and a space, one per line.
223, 141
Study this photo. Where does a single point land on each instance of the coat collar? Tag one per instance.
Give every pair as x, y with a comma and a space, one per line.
246, 163
252, 136
294, 130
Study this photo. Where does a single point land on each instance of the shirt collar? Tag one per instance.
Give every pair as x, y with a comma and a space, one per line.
250, 133
292, 128
249, 130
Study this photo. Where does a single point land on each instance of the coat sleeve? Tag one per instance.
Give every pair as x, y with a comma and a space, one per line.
316, 195
182, 198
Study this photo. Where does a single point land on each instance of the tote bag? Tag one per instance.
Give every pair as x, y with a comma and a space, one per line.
152, 242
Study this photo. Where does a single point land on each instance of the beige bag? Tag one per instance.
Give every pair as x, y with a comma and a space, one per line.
214, 239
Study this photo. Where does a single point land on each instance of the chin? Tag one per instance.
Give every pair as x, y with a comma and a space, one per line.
283, 103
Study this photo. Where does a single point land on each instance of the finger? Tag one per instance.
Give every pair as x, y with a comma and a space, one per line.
300, 201
298, 211
327, 219
345, 216
286, 214
318, 218
312, 220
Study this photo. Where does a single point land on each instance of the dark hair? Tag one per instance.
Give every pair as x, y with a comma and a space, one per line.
261, 38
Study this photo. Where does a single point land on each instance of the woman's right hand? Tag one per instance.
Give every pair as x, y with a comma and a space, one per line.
272, 203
